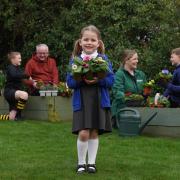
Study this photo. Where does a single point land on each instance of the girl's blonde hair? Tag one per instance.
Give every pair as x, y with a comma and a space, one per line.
176, 51
77, 48
127, 54
12, 54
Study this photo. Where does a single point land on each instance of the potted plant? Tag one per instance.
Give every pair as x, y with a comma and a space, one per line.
159, 101
63, 90
47, 89
134, 100
89, 68
163, 77
148, 87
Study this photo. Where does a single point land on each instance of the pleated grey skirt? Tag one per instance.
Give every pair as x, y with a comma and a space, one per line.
91, 115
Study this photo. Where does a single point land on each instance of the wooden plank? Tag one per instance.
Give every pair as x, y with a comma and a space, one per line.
166, 131
63, 108
165, 116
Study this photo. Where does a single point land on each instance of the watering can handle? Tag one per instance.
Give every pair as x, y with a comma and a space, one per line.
125, 110
128, 109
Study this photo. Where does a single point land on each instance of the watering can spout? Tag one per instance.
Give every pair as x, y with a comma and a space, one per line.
146, 123
128, 121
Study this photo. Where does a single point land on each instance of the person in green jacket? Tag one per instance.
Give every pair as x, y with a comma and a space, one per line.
127, 80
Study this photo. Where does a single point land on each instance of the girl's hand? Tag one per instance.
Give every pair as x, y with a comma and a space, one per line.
94, 81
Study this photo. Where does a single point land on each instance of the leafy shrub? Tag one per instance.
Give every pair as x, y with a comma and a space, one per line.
151, 27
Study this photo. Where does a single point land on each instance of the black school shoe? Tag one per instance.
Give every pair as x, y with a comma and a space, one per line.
81, 169
91, 168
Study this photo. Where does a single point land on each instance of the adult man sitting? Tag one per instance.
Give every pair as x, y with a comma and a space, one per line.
41, 68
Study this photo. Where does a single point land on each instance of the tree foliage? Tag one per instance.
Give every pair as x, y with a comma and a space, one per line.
150, 26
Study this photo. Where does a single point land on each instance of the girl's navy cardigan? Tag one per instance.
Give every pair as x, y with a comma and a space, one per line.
173, 88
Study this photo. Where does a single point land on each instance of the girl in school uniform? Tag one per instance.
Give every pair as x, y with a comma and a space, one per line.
91, 101
13, 92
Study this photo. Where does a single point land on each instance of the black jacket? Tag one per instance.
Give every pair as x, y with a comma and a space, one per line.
14, 77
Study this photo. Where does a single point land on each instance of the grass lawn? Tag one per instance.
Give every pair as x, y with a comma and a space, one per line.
47, 151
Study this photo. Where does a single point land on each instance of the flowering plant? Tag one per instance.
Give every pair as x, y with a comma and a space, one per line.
134, 99
131, 96
160, 102
43, 86
149, 84
163, 77
89, 67
148, 87
40, 84
64, 90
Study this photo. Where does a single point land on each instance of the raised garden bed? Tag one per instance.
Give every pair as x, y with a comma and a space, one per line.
166, 123
44, 108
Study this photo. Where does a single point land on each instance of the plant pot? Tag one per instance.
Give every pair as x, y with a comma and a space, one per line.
134, 103
54, 93
42, 93
147, 91
48, 93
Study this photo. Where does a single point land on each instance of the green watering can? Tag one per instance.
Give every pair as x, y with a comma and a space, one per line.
129, 122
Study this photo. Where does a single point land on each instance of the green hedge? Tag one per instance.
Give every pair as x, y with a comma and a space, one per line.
150, 26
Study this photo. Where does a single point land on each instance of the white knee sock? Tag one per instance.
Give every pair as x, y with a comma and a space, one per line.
82, 147
92, 150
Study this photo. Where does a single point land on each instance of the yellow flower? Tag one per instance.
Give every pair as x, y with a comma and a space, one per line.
152, 81
99, 59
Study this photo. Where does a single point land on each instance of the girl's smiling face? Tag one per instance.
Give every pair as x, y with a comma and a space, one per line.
16, 60
175, 59
89, 42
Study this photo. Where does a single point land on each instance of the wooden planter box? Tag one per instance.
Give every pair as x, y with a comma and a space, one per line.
43, 108
165, 123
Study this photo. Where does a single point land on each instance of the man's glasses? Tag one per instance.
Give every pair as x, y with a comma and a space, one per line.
42, 53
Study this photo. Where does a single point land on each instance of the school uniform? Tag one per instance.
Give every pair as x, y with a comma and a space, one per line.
91, 103
14, 77
173, 88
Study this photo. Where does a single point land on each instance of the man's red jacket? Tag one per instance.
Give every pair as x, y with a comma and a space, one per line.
42, 70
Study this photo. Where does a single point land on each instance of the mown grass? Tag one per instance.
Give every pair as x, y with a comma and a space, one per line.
47, 151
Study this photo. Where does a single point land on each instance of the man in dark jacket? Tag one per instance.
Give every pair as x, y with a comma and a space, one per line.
42, 68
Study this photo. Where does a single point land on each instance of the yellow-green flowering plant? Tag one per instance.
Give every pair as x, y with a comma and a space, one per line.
63, 89
148, 87
149, 84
